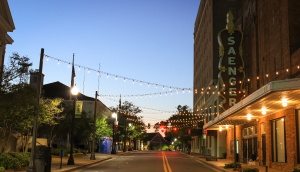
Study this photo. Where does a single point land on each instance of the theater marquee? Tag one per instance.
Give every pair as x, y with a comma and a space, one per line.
231, 65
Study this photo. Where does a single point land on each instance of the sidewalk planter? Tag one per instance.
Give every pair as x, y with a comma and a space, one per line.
231, 165
296, 169
251, 170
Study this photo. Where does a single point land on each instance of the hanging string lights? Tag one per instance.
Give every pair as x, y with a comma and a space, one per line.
114, 75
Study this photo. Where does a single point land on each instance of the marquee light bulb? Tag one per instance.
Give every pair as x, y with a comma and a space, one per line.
220, 129
226, 126
284, 102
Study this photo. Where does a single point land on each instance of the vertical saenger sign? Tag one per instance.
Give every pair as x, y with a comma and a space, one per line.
231, 65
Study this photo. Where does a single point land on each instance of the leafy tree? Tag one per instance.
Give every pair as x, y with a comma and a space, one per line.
50, 116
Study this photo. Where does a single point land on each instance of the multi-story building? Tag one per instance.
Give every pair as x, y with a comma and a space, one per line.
266, 122
6, 25
211, 18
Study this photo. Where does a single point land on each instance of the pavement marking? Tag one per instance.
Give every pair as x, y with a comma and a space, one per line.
165, 169
166, 163
208, 166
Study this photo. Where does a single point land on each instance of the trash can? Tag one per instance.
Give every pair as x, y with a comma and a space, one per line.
48, 159
40, 155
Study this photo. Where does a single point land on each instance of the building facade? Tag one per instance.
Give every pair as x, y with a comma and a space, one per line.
211, 18
266, 122
6, 25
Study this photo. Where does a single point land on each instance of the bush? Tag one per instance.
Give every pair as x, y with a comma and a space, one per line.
231, 165
24, 158
296, 169
250, 170
9, 162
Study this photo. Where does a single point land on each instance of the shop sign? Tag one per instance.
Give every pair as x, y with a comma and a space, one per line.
231, 65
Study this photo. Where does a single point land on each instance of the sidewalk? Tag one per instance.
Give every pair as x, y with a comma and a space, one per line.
220, 163
80, 161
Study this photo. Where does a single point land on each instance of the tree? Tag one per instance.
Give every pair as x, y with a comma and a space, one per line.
50, 116
127, 114
16, 97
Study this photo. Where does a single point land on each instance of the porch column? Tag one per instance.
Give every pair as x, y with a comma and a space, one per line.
235, 151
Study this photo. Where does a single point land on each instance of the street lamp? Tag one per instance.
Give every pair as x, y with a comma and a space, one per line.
74, 93
114, 115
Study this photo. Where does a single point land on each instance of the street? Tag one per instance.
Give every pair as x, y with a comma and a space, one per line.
150, 161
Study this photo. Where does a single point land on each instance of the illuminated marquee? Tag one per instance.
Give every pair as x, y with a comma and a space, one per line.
231, 65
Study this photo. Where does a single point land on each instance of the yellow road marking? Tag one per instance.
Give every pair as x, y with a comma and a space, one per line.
165, 168
169, 168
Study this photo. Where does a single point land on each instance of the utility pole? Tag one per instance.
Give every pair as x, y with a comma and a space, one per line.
94, 130
32, 167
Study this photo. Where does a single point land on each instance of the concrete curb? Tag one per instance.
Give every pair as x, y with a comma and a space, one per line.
85, 165
214, 166
209, 164
125, 153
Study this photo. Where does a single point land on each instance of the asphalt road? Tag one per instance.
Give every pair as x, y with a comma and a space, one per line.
150, 161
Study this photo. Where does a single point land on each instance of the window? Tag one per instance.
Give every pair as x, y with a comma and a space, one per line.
278, 140
34, 79
245, 132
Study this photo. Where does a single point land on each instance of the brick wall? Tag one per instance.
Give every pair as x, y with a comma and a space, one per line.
291, 142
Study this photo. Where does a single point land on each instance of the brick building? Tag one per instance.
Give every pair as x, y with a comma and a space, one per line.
211, 18
266, 121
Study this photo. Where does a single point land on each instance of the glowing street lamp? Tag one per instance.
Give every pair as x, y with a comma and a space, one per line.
74, 92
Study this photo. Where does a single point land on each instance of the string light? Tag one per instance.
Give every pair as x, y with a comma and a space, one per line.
132, 81
79, 68
88, 71
47, 58
107, 76
58, 62
116, 77
69, 65
124, 80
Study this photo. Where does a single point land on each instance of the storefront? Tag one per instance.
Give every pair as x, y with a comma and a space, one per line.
267, 126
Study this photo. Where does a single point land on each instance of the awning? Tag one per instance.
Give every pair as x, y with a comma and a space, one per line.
271, 97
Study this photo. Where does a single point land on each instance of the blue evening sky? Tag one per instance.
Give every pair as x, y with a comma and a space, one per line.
149, 40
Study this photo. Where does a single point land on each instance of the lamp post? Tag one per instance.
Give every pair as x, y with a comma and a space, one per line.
114, 115
74, 93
